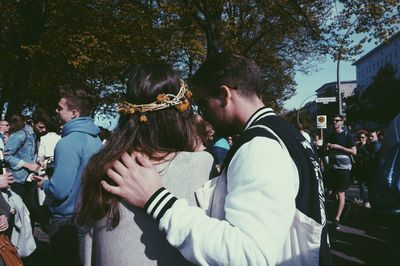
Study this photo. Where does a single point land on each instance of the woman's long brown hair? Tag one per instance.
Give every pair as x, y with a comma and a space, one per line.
166, 131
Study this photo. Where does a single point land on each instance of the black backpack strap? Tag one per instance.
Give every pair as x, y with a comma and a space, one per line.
311, 194
247, 136
310, 199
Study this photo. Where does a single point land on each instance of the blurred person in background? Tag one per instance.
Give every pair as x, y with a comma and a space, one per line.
341, 146
360, 168
17, 122
21, 154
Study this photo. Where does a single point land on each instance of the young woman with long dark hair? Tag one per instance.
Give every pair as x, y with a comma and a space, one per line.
156, 120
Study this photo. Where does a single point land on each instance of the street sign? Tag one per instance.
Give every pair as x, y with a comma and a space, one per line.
321, 121
325, 99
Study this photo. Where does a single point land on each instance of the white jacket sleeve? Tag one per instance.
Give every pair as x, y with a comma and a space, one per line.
259, 207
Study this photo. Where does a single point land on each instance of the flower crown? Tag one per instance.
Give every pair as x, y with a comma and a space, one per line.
163, 101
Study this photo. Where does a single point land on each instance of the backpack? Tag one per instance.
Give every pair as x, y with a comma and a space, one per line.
385, 188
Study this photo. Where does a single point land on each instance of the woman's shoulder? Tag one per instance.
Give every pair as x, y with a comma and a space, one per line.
187, 172
199, 156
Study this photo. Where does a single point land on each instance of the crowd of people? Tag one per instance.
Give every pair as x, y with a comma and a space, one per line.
203, 174
348, 158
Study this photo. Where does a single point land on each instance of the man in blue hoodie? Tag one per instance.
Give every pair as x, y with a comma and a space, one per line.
78, 144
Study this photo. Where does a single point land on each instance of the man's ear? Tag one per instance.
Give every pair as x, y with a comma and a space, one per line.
75, 113
225, 94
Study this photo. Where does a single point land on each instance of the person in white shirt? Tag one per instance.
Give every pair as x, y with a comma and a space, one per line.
300, 127
266, 208
46, 157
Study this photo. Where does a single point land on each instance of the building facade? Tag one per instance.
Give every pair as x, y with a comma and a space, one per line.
368, 65
329, 90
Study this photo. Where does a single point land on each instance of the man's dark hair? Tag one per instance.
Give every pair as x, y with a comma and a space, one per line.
40, 115
17, 122
377, 132
373, 130
80, 100
338, 115
234, 71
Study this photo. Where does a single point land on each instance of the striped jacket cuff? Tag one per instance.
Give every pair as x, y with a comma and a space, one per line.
159, 203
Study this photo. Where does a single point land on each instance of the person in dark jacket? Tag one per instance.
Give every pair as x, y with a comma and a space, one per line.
360, 168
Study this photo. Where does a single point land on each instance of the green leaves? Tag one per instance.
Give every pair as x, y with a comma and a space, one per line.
93, 44
378, 102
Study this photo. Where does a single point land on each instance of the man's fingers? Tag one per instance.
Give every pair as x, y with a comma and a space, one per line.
119, 167
112, 189
116, 177
128, 161
143, 161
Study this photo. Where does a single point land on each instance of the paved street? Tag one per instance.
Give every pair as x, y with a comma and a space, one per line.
364, 238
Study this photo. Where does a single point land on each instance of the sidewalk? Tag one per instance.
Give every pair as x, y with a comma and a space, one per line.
364, 237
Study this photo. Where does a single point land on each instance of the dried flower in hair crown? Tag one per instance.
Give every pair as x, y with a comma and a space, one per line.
163, 101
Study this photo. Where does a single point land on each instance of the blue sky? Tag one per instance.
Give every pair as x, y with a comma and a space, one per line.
325, 72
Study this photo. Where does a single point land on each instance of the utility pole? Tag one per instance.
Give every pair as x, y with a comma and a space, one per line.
340, 52
339, 93
298, 109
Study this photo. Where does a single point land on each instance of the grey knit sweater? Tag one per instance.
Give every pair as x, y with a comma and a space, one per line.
137, 240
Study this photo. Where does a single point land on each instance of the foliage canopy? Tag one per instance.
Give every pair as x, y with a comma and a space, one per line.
379, 101
93, 44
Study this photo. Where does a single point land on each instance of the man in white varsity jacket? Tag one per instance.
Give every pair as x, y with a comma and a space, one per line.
266, 208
